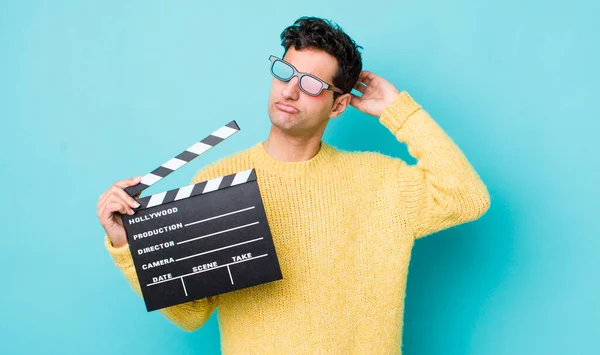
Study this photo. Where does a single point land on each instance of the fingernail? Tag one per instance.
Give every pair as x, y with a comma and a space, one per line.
136, 204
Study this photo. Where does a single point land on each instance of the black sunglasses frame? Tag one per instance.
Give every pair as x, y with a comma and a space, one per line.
324, 85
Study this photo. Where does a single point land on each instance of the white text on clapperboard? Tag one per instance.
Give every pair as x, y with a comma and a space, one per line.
170, 243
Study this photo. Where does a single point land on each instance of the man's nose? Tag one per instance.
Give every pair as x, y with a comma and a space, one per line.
290, 89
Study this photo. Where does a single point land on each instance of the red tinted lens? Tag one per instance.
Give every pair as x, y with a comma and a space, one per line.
311, 85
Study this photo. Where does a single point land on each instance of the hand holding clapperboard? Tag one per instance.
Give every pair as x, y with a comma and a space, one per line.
200, 240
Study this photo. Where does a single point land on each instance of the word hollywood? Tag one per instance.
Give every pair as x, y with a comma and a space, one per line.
153, 215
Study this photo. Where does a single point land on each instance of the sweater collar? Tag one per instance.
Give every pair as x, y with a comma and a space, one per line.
316, 164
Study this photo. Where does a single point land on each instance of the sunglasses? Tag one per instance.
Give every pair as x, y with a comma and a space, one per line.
308, 83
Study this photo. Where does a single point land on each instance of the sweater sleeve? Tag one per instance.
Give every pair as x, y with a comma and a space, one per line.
189, 316
443, 189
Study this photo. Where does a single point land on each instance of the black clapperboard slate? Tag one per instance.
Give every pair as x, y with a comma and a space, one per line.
203, 239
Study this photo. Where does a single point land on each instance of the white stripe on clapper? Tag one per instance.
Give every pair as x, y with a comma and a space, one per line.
156, 200
184, 192
224, 132
199, 148
212, 185
174, 164
241, 177
150, 179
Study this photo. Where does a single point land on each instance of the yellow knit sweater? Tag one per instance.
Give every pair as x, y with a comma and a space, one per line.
343, 225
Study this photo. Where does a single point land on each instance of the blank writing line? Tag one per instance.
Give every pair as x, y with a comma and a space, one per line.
198, 272
219, 216
209, 235
211, 251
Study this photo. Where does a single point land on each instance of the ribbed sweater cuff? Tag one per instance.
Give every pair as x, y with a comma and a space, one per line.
396, 113
121, 256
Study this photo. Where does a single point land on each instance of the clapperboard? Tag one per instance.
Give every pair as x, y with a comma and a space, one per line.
203, 239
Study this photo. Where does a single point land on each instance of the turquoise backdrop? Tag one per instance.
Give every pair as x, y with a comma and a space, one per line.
96, 91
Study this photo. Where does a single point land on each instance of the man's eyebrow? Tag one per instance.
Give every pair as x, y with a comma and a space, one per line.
309, 72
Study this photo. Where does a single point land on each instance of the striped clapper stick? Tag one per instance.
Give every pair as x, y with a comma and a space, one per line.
185, 157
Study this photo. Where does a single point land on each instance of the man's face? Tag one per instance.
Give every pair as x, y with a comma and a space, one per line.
295, 112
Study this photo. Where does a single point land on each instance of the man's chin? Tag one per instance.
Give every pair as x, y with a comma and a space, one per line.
287, 126
284, 120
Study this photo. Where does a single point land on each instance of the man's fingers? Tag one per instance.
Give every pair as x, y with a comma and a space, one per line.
125, 197
106, 195
114, 203
366, 77
360, 87
120, 185
362, 76
101, 199
355, 101
106, 212
120, 196
113, 206
128, 182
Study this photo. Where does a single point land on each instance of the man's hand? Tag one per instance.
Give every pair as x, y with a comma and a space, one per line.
377, 94
114, 200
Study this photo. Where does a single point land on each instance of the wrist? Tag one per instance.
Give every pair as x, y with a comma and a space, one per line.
118, 244
390, 98
396, 113
121, 255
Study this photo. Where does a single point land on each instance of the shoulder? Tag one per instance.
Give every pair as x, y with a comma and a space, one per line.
374, 173
369, 166
366, 159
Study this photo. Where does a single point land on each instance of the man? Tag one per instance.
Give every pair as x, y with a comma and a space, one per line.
343, 223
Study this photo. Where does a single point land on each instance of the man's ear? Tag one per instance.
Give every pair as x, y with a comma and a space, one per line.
340, 104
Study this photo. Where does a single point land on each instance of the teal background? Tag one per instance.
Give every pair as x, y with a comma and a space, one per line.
98, 91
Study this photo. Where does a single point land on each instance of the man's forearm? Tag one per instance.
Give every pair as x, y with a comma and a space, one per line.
443, 188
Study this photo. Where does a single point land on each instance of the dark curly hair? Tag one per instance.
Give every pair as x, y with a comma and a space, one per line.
317, 33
